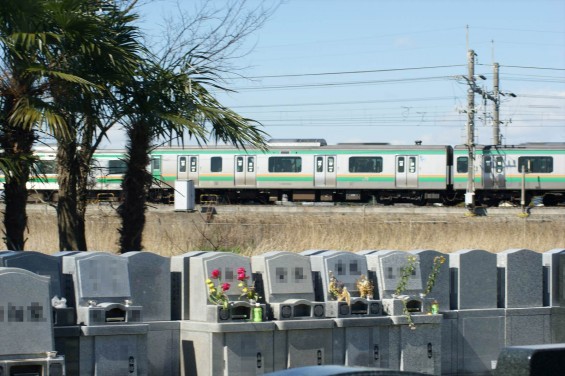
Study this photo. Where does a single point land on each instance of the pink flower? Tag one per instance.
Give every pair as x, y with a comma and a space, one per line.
241, 270
215, 274
225, 286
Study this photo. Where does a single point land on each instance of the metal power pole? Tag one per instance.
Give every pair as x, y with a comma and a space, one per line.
495, 108
470, 193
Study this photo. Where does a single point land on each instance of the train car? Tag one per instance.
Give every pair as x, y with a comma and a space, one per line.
311, 170
498, 172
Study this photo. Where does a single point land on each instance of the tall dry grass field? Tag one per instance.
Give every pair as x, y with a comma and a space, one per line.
172, 233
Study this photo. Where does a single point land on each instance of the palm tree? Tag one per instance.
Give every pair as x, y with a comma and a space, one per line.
166, 104
98, 44
22, 33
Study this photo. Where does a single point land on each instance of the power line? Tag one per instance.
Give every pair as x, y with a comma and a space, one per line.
350, 72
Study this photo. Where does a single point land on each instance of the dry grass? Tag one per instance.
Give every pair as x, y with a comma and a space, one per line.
171, 233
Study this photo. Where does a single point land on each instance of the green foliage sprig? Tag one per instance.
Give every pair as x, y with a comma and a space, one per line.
438, 262
407, 271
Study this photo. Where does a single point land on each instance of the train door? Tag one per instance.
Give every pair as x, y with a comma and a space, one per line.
493, 171
245, 170
325, 170
406, 171
187, 168
156, 168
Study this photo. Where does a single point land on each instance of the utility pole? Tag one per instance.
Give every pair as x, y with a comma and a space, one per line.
470, 192
495, 108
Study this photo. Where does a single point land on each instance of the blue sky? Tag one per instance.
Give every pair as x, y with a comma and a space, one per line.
387, 71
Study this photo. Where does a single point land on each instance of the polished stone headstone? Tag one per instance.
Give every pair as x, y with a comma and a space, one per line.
25, 313
150, 284
347, 268
288, 285
102, 288
523, 278
227, 264
38, 263
440, 290
180, 285
49, 266
554, 293
388, 266
475, 279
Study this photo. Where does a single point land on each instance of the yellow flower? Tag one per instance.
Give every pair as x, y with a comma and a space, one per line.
244, 290
208, 281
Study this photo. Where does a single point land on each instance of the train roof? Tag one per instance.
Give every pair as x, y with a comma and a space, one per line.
523, 146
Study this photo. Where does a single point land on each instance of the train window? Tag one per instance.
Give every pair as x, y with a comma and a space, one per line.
45, 167
239, 164
462, 164
331, 165
412, 165
400, 166
216, 164
250, 164
193, 161
319, 164
182, 164
156, 163
499, 164
488, 164
285, 164
535, 164
117, 166
366, 164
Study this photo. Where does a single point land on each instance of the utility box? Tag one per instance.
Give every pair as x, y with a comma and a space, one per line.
184, 195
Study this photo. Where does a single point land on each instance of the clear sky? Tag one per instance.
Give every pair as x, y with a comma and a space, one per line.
387, 71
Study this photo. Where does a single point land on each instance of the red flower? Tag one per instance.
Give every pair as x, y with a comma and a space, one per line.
225, 286
215, 274
241, 276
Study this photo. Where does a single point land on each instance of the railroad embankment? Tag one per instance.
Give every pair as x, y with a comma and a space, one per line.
258, 229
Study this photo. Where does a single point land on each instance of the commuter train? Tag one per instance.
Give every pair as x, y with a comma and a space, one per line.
312, 170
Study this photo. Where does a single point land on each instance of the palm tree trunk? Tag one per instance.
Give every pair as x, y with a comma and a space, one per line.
135, 186
71, 225
17, 145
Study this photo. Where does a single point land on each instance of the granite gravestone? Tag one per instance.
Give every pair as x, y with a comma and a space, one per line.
389, 266
102, 289
180, 285
217, 340
440, 289
288, 286
302, 335
26, 328
38, 263
113, 339
554, 291
474, 279
203, 267
554, 294
49, 266
348, 269
522, 285
474, 331
521, 293
150, 282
